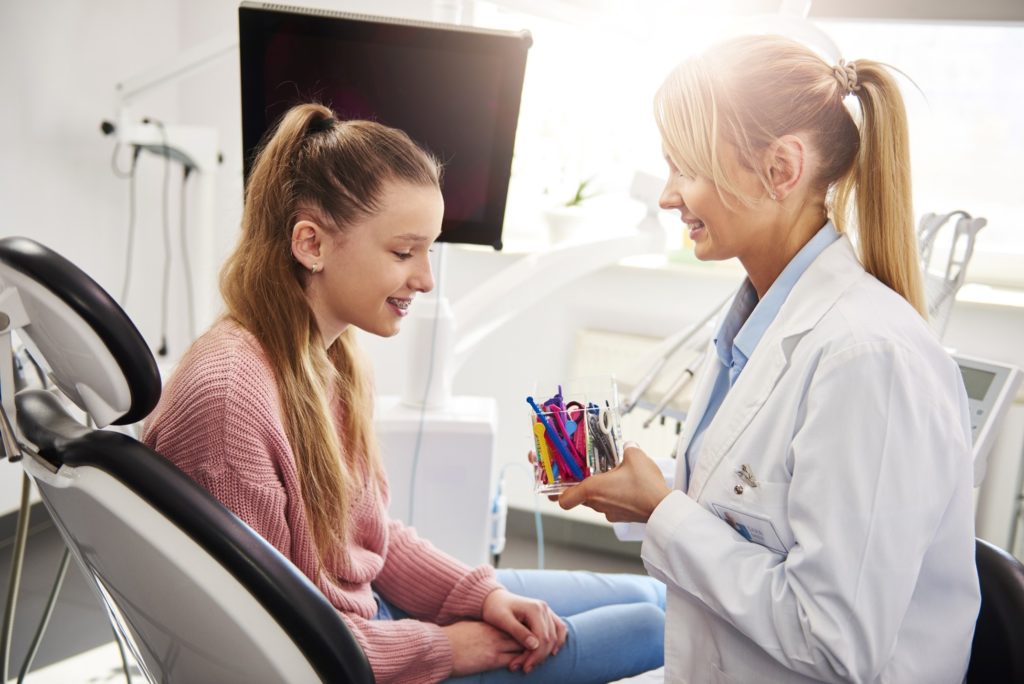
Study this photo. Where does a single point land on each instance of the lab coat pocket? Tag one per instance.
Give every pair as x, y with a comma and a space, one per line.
771, 500
759, 516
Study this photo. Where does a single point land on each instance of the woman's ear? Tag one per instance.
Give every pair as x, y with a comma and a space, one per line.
786, 160
307, 244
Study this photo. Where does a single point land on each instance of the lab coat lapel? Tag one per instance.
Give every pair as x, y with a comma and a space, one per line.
740, 406
814, 294
698, 405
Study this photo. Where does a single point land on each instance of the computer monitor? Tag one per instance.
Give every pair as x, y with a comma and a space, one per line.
454, 90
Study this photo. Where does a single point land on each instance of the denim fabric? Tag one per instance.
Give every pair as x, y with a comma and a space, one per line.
616, 625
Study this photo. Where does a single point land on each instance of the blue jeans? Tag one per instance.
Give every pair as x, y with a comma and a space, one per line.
616, 625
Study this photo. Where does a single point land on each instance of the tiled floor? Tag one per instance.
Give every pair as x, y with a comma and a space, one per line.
78, 646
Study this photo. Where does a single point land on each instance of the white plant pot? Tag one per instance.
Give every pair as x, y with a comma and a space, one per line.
566, 223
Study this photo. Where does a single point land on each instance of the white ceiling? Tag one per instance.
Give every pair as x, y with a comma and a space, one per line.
912, 10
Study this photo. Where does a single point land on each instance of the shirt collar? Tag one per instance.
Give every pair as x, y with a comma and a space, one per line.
748, 319
742, 306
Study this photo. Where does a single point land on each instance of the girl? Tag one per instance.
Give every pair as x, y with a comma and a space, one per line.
824, 527
270, 410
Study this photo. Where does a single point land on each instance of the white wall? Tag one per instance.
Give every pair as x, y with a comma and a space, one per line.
59, 63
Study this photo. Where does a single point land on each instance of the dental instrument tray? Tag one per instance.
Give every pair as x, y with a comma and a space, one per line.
576, 434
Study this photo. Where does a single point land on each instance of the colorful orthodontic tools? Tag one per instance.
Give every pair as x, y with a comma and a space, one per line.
563, 449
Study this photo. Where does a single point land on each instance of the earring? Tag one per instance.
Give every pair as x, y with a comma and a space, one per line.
316, 268
773, 196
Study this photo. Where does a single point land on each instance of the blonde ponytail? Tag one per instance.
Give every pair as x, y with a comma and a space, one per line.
879, 185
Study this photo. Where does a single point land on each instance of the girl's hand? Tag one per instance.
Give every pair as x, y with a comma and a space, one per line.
530, 622
628, 493
479, 647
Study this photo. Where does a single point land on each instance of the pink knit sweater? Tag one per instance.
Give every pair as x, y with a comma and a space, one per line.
219, 420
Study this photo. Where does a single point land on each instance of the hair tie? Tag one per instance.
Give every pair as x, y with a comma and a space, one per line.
846, 73
321, 125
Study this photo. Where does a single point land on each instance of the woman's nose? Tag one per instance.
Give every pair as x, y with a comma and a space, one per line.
670, 196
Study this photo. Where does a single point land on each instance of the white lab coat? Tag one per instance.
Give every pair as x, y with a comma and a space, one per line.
853, 421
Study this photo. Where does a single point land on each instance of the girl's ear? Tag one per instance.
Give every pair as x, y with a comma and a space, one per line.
307, 243
786, 165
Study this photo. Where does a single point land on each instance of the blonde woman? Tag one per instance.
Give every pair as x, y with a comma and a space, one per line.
823, 526
270, 410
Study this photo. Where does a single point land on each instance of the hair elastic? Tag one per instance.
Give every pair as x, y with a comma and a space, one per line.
846, 73
320, 125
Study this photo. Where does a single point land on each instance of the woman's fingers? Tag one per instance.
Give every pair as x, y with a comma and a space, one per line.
628, 493
561, 632
545, 624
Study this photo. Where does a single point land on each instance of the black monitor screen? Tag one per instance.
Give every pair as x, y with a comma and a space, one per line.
455, 91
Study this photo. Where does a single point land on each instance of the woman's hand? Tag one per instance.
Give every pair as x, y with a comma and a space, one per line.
479, 647
530, 622
628, 493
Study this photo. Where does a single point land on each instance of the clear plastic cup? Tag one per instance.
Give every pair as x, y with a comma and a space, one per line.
576, 431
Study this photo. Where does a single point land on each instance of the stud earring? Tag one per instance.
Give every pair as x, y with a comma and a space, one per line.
316, 268
773, 196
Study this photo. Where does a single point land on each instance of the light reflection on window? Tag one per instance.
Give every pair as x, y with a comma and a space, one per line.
587, 110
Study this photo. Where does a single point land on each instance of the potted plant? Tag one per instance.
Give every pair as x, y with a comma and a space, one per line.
568, 219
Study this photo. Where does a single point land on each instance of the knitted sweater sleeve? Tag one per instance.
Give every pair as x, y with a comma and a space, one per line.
403, 651
428, 583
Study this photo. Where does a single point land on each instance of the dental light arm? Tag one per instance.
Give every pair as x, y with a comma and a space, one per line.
186, 62
665, 352
454, 331
518, 287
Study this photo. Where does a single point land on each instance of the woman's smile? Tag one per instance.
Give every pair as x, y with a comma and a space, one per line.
696, 228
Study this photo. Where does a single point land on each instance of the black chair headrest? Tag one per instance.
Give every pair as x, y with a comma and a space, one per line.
93, 351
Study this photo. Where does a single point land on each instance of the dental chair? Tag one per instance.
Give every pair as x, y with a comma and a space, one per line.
197, 595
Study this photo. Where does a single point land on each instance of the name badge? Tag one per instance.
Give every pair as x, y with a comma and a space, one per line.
752, 526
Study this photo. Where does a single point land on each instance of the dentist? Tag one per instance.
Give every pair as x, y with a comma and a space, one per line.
823, 530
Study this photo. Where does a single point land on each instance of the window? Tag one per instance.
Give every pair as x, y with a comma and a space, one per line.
587, 112
967, 143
